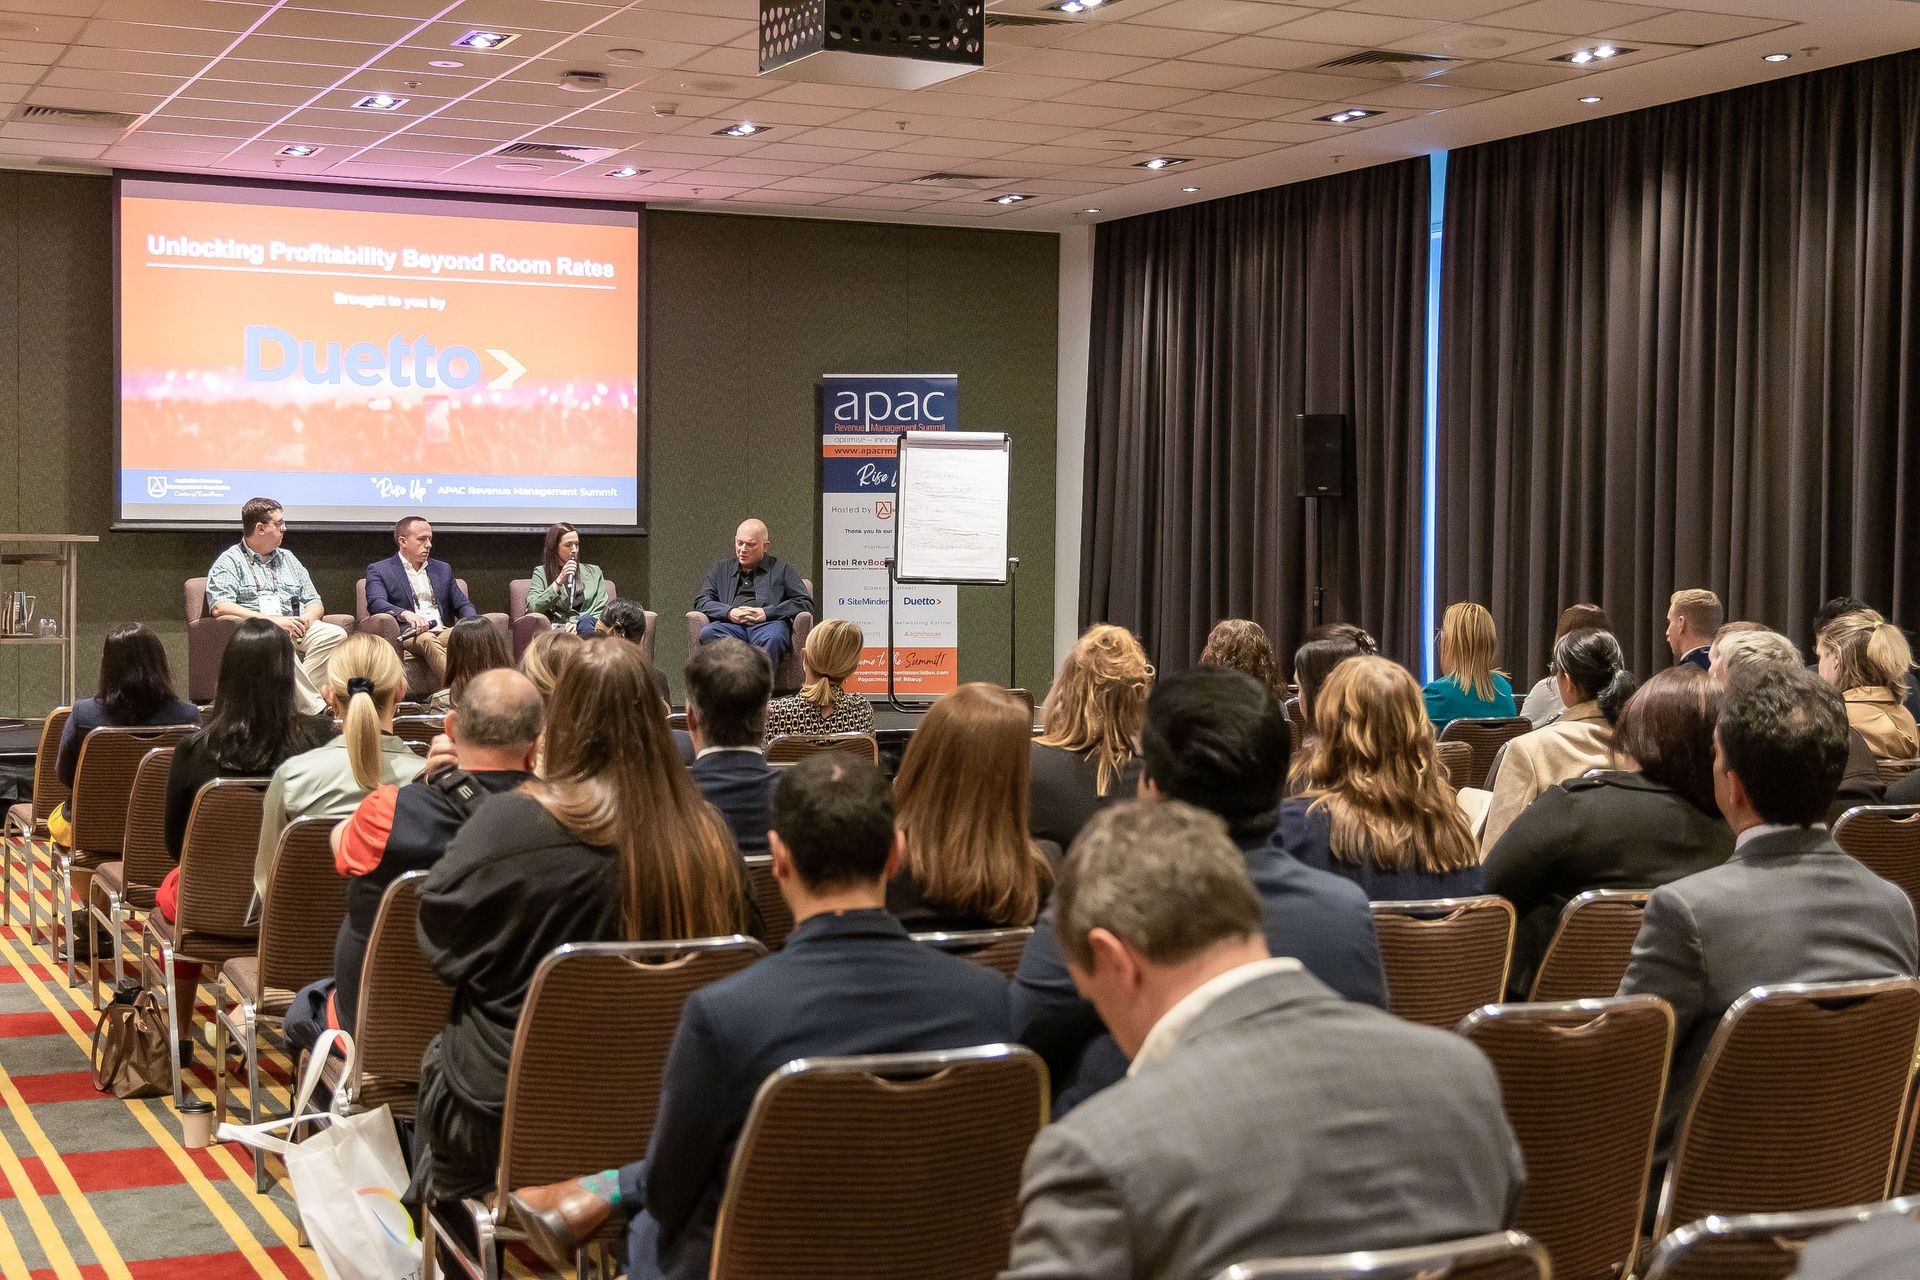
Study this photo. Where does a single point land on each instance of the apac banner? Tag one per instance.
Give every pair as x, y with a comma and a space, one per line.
860, 413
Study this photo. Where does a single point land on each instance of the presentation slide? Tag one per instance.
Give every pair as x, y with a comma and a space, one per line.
363, 356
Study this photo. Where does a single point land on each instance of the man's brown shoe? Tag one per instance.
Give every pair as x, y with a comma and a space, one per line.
559, 1218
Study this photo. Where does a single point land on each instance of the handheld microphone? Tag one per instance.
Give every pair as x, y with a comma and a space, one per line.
573, 580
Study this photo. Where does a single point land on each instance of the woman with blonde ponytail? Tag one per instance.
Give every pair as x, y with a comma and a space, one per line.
823, 705
1867, 658
364, 684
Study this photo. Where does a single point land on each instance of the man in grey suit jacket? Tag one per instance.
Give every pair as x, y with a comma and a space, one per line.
1789, 905
1262, 1115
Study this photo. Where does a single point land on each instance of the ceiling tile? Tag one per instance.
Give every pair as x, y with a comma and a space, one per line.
998, 84
211, 15
1055, 156
98, 100
281, 95
1277, 131
726, 62
43, 28
831, 95
1140, 97
1232, 17
1277, 55
802, 151
305, 75
759, 165
1073, 64
1570, 17
384, 8
72, 78
820, 186
1078, 115
833, 137
1465, 40
359, 28
38, 52
1185, 74
1631, 55
1179, 123
1142, 41
966, 148
1423, 95
685, 28
1243, 106
1696, 28
313, 53
152, 38
1437, 10
878, 204
1508, 77
254, 112
1366, 30
1224, 146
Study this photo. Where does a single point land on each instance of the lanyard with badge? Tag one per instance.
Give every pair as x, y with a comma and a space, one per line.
268, 601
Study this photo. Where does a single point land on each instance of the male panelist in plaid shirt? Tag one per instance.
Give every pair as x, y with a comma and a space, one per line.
258, 578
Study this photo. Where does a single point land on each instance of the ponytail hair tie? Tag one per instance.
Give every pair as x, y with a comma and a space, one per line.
359, 684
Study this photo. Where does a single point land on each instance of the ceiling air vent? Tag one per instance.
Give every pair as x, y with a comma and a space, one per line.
972, 181
1011, 21
554, 151
34, 113
1405, 64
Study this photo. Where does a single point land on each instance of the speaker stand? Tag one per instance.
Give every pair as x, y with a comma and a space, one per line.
1316, 534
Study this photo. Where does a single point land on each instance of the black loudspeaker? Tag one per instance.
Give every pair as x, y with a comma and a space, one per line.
1320, 443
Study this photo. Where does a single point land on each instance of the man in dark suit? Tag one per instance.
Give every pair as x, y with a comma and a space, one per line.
752, 595
1789, 905
849, 981
728, 685
1216, 739
1263, 1115
419, 593
1694, 615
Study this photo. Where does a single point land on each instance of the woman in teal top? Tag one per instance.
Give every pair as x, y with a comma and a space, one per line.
1469, 688
569, 594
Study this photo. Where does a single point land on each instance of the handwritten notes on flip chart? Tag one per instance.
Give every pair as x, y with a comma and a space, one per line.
951, 524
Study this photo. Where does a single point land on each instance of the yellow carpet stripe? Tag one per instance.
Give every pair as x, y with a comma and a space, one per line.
248, 1245
105, 1253
44, 1230
13, 1264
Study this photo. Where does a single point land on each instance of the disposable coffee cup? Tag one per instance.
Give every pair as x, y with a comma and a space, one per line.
196, 1123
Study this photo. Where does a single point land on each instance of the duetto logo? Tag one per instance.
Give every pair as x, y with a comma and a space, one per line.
275, 355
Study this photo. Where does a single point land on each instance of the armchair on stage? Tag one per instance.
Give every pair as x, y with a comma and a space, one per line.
528, 625
791, 674
207, 638
420, 681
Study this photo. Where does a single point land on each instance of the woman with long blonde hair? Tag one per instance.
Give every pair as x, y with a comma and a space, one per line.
823, 705
960, 801
1867, 658
1469, 686
613, 842
364, 684
546, 656
1087, 757
1376, 807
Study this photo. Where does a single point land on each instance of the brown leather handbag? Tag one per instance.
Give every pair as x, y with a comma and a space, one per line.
130, 1058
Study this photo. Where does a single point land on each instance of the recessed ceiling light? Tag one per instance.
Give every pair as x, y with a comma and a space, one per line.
1190, 190
521, 166
745, 129
380, 102
1076, 6
299, 150
1599, 53
1776, 57
1348, 116
1012, 197
484, 40
1089, 211
445, 63
1591, 98
623, 57
626, 171
1161, 162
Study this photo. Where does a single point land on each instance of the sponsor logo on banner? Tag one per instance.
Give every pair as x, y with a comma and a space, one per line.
858, 475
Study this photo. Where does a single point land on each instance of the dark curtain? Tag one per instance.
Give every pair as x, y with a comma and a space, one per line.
1678, 349
1213, 326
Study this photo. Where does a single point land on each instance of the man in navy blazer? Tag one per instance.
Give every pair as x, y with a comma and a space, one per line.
1216, 739
728, 685
419, 593
849, 981
753, 596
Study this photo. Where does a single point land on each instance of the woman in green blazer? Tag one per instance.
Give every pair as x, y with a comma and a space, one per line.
567, 593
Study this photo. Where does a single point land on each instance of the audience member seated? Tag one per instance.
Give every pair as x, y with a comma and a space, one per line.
1469, 687
546, 656
624, 620
1736, 655
752, 595
1848, 604
419, 593
848, 981
1086, 758
1694, 616
135, 690
1592, 681
1321, 650
471, 646
728, 684
962, 798
1788, 906
258, 578
1375, 807
1867, 658
1242, 645
1543, 702
612, 842
1648, 821
570, 595
364, 683
1216, 739
1905, 791
494, 729
831, 654
1263, 1116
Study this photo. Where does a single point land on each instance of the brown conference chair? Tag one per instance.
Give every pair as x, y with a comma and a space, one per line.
1456, 761
937, 1139
1484, 738
528, 625
1892, 771
1759, 1246
131, 881
1800, 1102
402, 1006
102, 788
776, 917
207, 638
997, 949
419, 731
1296, 725
1581, 1083
1886, 838
300, 918
1502, 1255
216, 893
788, 676
789, 748
623, 999
1590, 949
420, 681
1445, 957
26, 830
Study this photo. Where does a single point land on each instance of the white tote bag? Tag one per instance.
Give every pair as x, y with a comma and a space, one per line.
347, 1178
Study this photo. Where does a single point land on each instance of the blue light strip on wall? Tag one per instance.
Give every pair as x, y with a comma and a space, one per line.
1430, 459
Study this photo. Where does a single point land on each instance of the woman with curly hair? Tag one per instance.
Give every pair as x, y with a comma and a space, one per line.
1242, 645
